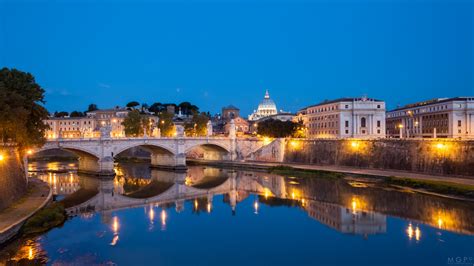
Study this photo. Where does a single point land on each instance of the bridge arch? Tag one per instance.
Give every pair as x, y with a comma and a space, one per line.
151, 147
89, 161
79, 151
208, 151
161, 156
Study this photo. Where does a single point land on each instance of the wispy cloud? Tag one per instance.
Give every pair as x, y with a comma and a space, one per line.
62, 92
104, 85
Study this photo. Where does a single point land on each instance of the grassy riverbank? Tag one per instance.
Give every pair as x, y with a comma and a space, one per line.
288, 170
440, 187
47, 218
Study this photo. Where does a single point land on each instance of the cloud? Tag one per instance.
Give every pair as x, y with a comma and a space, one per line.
104, 85
62, 92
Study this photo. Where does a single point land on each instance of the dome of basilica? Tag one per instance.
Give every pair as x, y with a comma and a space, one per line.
267, 107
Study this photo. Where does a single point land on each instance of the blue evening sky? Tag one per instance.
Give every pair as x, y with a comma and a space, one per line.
215, 53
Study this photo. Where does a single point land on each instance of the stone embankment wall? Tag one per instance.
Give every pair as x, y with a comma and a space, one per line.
12, 176
437, 156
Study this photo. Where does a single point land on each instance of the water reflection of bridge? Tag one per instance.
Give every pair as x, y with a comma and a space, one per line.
334, 203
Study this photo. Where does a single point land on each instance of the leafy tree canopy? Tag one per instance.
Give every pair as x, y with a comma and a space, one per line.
77, 114
197, 126
92, 107
188, 109
157, 108
166, 124
278, 129
21, 112
60, 114
132, 104
133, 124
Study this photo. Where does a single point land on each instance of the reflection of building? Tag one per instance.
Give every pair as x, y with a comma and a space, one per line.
61, 184
267, 107
442, 118
345, 118
345, 220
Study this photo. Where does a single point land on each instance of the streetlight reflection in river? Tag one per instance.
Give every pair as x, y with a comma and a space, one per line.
163, 220
151, 214
255, 206
416, 232
115, 229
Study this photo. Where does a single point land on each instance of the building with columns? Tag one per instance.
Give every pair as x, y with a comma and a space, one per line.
437, 118
345, 118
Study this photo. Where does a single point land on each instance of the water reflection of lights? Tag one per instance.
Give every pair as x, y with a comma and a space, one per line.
196, 204
188, 181
151, 214
115, 225
209, 207
163, 219
413, 232
115, 230
29, 251
417, 234
354, 205
255, 206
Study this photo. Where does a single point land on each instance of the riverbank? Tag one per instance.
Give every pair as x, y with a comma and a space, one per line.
11, 219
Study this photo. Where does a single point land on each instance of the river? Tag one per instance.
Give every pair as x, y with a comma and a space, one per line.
213, 216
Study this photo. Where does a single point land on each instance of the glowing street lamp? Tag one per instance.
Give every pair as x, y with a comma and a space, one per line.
440, 146
400, 127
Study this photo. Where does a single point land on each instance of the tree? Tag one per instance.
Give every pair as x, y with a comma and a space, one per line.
133, 124
188, 109
76, 114
61, 114
157, 108
21, 110
197, 126
92, 107
132, 104
277, 129
166, 124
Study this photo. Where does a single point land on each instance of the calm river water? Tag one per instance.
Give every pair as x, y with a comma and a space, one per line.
210, 216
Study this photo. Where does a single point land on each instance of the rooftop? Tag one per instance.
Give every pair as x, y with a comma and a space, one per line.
432, 101
346, 99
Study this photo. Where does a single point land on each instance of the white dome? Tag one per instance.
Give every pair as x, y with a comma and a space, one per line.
267, 107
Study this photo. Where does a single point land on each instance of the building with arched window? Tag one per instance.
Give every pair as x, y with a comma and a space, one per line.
345, 118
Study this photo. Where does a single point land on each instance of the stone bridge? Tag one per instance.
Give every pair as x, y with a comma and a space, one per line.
96, 156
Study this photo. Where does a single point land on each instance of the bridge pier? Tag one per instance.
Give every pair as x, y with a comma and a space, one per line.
93, 166
168, 161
